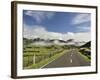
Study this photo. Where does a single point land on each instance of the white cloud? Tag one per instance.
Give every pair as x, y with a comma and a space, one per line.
81, 18
82, 22
83, 36
83, 28
36, 31
70, 33
39, 16
39, 31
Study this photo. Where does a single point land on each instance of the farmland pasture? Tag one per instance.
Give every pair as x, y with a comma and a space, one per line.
35, 56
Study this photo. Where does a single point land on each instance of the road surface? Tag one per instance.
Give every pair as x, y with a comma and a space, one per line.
71, 58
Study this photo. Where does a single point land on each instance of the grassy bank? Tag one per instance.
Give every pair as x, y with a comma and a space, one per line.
85, 57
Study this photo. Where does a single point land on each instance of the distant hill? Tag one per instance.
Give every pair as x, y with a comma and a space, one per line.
70, 40
27, 41
88, 44
39, 41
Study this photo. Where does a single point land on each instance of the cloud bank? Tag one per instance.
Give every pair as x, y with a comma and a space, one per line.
37, 31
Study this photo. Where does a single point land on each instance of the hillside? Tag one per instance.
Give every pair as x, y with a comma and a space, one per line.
88, 44
27, 41
39, 41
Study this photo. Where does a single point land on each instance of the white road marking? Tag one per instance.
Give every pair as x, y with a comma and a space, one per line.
71, 60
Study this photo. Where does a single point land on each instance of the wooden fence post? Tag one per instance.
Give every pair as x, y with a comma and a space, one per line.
34, 59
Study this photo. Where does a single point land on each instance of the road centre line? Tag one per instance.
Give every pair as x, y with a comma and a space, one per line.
71, 60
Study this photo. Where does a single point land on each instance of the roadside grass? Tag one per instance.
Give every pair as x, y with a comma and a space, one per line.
45, 61
85, 57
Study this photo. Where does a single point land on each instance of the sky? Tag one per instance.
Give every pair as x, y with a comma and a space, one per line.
57, 25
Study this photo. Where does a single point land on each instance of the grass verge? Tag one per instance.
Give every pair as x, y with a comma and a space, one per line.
85, 57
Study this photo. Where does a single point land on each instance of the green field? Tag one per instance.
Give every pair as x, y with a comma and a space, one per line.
35, 56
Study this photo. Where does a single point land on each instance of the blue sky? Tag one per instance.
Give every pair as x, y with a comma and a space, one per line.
60, 21
56, 22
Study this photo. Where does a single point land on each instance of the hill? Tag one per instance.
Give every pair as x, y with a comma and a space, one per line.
88, 44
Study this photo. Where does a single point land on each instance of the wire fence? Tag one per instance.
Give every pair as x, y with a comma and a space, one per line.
34, 58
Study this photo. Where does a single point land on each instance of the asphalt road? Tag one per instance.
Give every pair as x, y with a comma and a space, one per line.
70, 59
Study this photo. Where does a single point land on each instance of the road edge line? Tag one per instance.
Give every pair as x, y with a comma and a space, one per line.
50, 62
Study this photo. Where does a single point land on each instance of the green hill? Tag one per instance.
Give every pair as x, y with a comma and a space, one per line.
88, 44
27, 41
